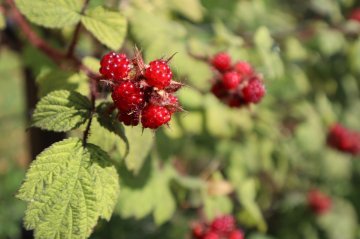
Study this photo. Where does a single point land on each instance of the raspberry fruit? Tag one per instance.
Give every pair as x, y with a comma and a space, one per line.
355, 15
221, 61
254, 91
115, 66
158, 74
223, 224
173, 103
343, 139
318, 201
235, 101
243, 68
129, 118
236, 234
231, 80
198, 230
154, 116
219, 90
127, 96
211, 235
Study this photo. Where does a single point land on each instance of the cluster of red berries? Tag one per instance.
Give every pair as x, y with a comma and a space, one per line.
343, 139
141, 92
236, 84
319, 202
355, 15
222, 227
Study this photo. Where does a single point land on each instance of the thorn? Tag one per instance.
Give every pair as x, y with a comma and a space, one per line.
170, 58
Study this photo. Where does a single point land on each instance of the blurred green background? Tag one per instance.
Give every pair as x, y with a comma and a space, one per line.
271, 154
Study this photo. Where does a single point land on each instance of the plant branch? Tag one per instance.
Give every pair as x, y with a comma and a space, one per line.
33, 38
88, 126
54, 54
76, 35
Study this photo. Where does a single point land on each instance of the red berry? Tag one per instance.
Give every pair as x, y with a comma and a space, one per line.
235, 101
198, 230
223, 224
343, 139
219, 90
158, 74
355, 15
244, 68
318, 201
231, 79
236, 234
254, 91
127, 96
129, 118
115, 66
221, 61
211, 235
154, 116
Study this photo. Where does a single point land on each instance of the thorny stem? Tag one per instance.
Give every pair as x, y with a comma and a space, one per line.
76, 35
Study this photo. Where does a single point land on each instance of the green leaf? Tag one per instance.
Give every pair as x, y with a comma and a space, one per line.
107, 26
267, 50
2, 21
216, 205
191, 9
67, 188
61, 111
146, 193
140, 143
54, 79
51, 13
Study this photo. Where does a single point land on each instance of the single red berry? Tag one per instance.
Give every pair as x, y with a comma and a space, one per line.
154, 116
343, 139
158, 74
198, 230
115, 66
243, 68
223, 224
211, 235
319, 202
127, 96
129, 118
235, 101
254, 91
231, 80
221, 61
219, 90
236, 234
355, 15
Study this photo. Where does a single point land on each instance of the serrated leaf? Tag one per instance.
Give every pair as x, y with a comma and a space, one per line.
68, 187
140, 143
51, 13
107, 26
217, 205
54, 79
61, 111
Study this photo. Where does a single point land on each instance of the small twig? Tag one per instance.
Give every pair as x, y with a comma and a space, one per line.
53, 53
88, 126
76, 35
33, 38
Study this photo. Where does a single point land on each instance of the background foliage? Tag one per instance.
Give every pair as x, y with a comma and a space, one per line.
256, 163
